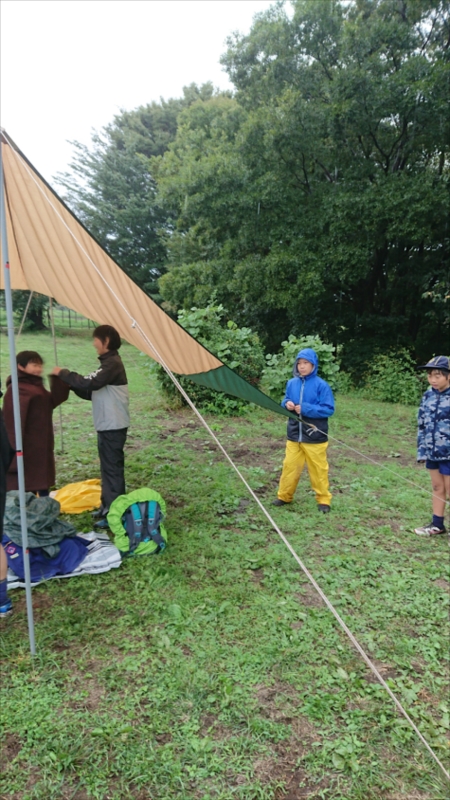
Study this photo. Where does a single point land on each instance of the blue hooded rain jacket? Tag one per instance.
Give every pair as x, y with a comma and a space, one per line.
316, 399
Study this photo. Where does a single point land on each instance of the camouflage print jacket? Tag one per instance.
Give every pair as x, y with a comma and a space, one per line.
433, 438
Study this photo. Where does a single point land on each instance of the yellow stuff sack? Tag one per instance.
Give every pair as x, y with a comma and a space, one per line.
74, 498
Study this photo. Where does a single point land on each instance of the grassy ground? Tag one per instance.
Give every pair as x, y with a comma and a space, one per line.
214, 671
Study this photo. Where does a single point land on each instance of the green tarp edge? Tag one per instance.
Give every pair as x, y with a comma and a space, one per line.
223, 379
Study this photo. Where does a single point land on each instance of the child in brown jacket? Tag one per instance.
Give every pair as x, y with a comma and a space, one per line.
36, 410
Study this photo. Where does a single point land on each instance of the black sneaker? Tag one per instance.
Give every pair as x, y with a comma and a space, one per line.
324, 508
279, 502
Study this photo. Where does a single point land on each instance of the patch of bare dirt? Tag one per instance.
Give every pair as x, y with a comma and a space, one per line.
11, 747
257, 576
143, 794
277, 702
163, 738
175, 502
282, 765
60, 646
412, 632
309, 597
42, 602
133, 447
244, 502
41, 598
210, 726
69, 793
412, 795
195, 444
418, 667
33, 778
281, 770
92, 695
296, 785
387, 672
442, 583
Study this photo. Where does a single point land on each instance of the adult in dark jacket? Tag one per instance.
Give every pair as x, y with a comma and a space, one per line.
36, 410
107, 387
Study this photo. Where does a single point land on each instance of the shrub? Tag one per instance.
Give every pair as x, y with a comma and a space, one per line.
344, 382
279, 366
238, 348
392, 378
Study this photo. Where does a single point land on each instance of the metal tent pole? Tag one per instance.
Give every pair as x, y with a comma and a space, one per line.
16, 407
52, 321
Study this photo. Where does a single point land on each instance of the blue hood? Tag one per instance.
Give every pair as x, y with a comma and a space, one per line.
310, 355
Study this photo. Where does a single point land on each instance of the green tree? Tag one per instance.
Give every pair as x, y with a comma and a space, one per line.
37, 309
318, 199
202, 180
111, 188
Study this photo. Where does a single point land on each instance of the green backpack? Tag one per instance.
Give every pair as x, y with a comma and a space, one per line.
136, 520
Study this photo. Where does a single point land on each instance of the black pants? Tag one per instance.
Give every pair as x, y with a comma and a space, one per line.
112, 465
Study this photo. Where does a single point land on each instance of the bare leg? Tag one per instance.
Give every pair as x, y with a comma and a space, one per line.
5, 602
3, 564
439, 487
447, 487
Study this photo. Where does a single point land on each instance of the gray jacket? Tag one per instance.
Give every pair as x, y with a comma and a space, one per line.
107, 387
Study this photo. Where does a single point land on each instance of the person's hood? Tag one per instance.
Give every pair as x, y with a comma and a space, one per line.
24, 376
310, 355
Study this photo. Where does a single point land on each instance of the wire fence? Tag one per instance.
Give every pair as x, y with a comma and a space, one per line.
65, 319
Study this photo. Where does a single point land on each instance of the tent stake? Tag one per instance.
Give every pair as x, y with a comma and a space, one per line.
52, 321
16, 407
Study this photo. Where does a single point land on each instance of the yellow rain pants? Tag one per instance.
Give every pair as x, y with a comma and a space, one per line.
315, 456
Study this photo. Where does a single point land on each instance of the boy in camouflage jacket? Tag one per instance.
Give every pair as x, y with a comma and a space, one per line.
433, 439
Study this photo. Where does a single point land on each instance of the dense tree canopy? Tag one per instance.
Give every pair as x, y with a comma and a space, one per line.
312, 200
316, 200
112, 190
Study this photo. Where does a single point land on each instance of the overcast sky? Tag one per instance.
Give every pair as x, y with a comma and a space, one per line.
67, 66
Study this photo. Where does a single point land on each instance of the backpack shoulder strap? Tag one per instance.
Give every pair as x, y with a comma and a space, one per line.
153, 518
133, 522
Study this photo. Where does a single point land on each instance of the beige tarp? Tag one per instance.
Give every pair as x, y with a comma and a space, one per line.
50, 252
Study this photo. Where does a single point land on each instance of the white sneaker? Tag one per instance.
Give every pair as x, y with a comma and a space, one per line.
429, 530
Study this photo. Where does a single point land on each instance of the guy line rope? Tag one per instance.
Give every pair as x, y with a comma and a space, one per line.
286, 542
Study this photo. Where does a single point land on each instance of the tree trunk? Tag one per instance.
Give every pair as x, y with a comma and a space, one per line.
35, 317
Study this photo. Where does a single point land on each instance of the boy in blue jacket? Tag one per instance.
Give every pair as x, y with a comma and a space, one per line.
307, 438
433, 439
